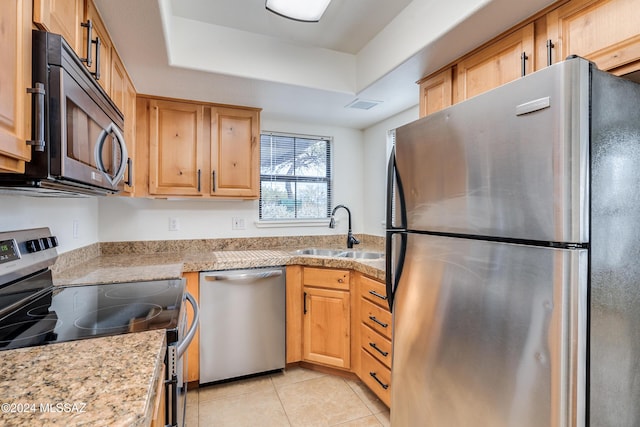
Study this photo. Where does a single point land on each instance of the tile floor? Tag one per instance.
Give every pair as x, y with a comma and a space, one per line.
295, 397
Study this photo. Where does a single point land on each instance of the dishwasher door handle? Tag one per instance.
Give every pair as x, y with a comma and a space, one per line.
182, 346
243, 276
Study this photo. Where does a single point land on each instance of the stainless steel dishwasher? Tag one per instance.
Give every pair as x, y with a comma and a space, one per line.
242, 322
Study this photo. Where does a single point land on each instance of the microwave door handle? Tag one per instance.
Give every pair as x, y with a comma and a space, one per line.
182, 346
112, 129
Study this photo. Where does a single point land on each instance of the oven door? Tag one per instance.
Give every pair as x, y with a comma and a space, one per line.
87, 145
177, 366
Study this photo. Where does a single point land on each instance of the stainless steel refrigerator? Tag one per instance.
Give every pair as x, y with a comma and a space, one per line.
513, 261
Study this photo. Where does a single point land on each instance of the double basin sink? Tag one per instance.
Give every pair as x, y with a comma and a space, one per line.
340, 253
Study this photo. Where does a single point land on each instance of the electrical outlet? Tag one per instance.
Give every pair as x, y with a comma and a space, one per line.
237, 223
174, 224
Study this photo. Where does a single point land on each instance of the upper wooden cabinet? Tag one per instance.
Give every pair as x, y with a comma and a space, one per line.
71, 19
176, 148
62, 17
15, 78
198, 149
436, 92
123, 95
101, 65
501, 62
235, 152
603, 31
606, 32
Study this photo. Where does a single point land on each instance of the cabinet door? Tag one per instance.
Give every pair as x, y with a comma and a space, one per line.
326, 327
175, 148
124, 96
497, 64
605, 32
235, 152
436, 92
15, 78
102, 58
61, 17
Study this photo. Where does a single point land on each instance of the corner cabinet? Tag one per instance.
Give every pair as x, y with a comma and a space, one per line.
15, 78
326, 333
198, 149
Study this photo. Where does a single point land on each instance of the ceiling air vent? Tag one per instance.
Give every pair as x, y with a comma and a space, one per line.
362, 104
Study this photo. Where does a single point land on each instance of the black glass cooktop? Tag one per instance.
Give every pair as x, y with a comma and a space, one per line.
87, 311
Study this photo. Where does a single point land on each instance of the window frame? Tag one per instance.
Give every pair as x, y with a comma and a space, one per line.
328, 178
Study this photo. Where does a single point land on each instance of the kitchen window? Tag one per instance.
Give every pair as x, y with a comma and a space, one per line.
295, 177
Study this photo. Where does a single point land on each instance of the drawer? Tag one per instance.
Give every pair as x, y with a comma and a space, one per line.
326, 278
376, 344
376, 376
375, 317
374, 291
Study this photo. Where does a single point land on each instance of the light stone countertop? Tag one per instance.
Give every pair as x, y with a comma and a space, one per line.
161, 266
109, 381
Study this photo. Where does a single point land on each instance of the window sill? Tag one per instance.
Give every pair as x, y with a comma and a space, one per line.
293, 223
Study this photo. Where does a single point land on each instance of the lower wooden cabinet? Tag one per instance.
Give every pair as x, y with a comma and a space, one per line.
327, 317
374, 336
376, 376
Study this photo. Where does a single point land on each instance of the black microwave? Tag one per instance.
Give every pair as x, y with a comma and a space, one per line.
78, 146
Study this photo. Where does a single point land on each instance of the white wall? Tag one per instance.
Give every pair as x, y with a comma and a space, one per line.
123, 219
18, 212
375, 167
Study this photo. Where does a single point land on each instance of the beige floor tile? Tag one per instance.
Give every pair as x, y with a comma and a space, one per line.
323, 401
384, 418
235, 388
261, 408
294, 375
191, 417
374, 404
370, 421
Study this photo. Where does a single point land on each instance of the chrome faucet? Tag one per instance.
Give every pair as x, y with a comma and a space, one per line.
332, 224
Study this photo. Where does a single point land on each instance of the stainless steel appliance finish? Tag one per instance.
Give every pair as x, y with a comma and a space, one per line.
78, 143
512, 264
34, 312
243, 322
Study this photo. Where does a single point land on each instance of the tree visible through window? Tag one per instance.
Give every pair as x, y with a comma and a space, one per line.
295, 177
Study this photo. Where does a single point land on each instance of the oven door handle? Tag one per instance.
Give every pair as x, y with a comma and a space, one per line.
182, 346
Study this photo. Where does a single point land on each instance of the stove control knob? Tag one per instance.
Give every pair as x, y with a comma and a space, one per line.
54, 241
45, 243
33, 245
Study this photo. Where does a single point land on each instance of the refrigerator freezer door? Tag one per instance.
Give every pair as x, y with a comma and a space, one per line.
489, 334
509, 163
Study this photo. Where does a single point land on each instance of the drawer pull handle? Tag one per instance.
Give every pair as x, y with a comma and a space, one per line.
340, 280
376, 348
373, 318
375, 294
375, 377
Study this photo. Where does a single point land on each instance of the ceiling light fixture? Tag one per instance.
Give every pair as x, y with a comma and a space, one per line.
298, 10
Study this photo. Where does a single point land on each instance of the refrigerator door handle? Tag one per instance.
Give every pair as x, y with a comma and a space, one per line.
393, 277
394, 178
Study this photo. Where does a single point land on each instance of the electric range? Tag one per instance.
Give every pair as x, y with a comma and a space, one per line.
35, 312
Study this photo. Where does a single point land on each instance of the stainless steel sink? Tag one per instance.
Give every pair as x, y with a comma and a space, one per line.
361, 255
318, 252
340, 253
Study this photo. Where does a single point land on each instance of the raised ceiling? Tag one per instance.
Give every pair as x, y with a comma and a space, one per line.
236, 52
